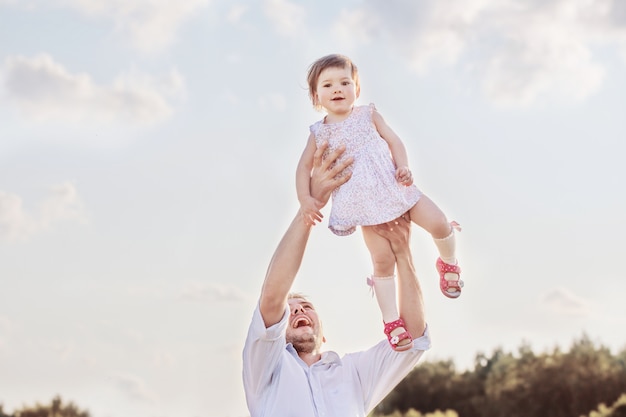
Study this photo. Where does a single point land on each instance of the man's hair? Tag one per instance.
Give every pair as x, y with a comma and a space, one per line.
329, 61
297, 295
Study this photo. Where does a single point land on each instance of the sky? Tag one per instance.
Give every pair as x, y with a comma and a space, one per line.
147, 172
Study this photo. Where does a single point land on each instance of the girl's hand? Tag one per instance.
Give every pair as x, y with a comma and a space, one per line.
310, 211
404, 176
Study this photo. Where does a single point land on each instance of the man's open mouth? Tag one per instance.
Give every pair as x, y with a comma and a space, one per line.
299, 322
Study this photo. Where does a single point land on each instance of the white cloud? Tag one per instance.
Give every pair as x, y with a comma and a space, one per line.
521, 50
564, 302
273, 101
200, 292
150, 25
356, 26
64, 203
547, 49
236, 12
134, 387
426, 32
16, 223
45, 91
288, 18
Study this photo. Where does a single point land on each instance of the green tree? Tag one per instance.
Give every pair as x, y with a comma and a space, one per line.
413, 413
425, 388
56, 409
524, 384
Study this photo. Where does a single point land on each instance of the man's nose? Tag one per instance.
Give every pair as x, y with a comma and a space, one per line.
297, 309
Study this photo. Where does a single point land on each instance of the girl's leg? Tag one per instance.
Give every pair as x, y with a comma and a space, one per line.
428, 216
383, 259
383, 279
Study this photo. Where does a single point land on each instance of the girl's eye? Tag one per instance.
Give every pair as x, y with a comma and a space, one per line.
345, 83
326, 85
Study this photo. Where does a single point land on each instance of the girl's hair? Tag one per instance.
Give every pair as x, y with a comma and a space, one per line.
329, 61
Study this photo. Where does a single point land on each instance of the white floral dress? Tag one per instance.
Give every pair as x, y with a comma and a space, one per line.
373, 195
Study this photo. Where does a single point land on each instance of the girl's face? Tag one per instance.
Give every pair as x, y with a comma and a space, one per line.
336, 91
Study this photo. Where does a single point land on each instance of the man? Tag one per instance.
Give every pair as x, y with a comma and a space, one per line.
285, 373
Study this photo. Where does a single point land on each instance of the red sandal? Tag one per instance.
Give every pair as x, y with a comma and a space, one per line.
446, 285
394, 340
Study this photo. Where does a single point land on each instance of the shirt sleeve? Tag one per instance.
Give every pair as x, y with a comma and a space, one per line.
262, 352
381, 368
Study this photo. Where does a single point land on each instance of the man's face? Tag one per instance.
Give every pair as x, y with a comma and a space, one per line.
304, 331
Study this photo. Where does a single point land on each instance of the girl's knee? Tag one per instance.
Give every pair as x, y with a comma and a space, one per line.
441, 229
383, 259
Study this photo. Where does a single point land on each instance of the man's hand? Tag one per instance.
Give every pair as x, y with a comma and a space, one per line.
397, 232
410, 302
325, 179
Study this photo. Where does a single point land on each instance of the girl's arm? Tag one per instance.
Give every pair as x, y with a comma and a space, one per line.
309, 206
398, 151
305, 165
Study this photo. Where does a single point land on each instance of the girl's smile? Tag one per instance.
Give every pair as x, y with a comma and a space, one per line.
336, 92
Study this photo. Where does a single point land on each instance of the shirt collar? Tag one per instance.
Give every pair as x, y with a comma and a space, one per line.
328, 358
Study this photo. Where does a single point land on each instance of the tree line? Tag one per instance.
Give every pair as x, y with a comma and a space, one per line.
56, 408
618, 409
587, 380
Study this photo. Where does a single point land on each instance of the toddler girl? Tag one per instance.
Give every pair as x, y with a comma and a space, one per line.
381, 188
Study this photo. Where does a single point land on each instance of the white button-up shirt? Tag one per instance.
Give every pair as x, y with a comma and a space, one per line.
279, 384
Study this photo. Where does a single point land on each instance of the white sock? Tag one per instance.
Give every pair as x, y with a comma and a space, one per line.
385, 290
447, 248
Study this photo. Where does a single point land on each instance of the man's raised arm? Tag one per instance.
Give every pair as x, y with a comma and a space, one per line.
288, 255
410, 300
